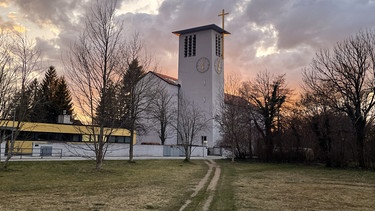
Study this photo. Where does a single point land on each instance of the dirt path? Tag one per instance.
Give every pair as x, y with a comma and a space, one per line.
210, 191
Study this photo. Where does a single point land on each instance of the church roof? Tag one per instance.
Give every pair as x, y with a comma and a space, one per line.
166, 78
201, 28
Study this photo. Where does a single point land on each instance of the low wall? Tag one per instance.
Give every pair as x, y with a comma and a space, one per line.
52, 149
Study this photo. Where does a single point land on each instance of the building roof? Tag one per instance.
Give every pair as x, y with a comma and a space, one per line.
166, 78
201, 28
61, 128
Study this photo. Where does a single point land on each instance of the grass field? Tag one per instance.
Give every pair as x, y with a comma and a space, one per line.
255, 186
166, 184
75, 185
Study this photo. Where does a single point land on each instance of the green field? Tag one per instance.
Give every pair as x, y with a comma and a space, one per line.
166, 184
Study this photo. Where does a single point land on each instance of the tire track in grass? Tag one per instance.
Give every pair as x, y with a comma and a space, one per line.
211, 187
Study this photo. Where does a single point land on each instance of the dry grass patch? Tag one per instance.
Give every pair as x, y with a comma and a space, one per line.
75, 185
296, 187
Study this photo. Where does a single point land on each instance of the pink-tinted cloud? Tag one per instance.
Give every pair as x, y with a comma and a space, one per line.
280, 36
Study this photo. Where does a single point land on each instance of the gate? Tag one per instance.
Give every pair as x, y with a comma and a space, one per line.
173, 151
45, 151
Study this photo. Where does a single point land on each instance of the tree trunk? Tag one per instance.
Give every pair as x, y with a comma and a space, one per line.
360, 130
269, 144
250, 144
162, 133
131, 146
99, 152
99, 161
187, 154
10, 153
11, 145
233, 149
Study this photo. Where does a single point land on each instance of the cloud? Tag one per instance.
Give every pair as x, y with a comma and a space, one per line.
42, 12
3, 4
280, 36
302, 28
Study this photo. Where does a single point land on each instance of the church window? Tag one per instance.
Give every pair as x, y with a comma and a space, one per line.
218, 44
190, 45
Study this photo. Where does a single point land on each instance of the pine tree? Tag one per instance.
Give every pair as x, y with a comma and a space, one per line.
128, 93
48, 88
25, 102
55, 97
110, 116
62, 98
132, 92
36, 109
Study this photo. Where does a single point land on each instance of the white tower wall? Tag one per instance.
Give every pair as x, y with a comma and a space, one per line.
205, 89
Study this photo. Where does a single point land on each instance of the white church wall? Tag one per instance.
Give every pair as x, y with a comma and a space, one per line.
151, 135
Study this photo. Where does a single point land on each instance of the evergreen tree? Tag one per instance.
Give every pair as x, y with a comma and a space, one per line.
132, 95
36, 109
128, 92
62, 98
24, 103
110, 116
55, 97
48, 88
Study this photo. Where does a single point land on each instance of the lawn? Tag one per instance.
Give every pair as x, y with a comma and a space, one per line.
75, 185
254, 186
166, 184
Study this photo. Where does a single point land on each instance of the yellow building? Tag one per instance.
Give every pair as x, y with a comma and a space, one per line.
30, 134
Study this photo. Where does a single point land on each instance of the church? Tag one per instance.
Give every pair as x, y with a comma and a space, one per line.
200, 81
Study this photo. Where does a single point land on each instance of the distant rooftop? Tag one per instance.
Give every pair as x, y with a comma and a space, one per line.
201, 28
166, 78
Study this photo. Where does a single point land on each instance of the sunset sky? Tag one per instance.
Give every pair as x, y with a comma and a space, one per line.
281, 36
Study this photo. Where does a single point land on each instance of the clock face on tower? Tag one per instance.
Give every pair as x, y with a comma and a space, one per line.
203, 64
219, 65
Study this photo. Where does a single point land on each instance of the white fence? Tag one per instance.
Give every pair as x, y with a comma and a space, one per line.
51, 149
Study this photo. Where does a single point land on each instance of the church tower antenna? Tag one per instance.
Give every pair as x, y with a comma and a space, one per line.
222, 14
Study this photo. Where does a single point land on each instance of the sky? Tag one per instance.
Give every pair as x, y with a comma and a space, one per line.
280, 36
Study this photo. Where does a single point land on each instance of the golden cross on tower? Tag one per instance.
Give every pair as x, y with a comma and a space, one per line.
222, 14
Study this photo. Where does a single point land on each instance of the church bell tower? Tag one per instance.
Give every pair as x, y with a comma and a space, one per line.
201, 73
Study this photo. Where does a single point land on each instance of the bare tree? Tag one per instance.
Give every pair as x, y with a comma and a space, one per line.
94, 62
25, 62
7, 76
161, 112
345, 78
268, 94
26, 58
191, 122
138, 92
235, 122
7, 82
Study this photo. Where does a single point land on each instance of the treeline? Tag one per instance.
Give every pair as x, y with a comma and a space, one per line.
332, 122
